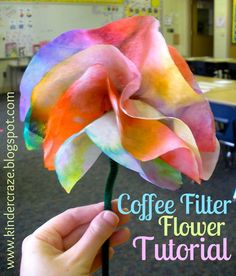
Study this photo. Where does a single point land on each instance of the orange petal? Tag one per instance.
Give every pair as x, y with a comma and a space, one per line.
147, 139
85, 101
66, 111
168, 86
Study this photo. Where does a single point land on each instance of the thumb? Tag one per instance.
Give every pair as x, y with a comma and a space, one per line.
99, 230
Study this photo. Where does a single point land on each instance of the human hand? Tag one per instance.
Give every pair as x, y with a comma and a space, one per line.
69, 244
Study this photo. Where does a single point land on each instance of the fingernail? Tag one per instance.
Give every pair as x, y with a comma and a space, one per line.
111, 218
125, 210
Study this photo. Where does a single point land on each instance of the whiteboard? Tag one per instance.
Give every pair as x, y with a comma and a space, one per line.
26, 24
29, 24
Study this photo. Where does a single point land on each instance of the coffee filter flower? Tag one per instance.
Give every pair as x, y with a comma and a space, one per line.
120, 90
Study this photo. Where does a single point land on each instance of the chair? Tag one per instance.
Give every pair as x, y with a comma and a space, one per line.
232, 70
225, 119
201, 68
217, 69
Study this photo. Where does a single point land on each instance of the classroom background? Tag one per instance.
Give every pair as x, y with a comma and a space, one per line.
194, 27
204, 32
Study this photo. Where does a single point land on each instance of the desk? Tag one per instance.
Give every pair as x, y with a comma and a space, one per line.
218, 90
14, 70
211, 59
209, 66
16, 61
11, 69
16, 67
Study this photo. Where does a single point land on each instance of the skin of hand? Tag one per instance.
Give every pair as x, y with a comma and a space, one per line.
70, 243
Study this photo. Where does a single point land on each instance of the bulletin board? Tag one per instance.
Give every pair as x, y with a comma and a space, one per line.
234, 22
22, 27
68, 1
140, 7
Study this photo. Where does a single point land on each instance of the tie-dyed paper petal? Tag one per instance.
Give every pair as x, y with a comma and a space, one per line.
78, 153
74, 159
147, 139
121, 89
73, 105
59, 78
104, 133
123, 34
164, 86
141, 110
75, 110
163, 175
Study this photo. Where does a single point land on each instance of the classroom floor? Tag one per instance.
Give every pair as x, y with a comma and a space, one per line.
38, 197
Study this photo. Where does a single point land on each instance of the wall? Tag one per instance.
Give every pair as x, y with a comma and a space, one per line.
232, 47
28, 24
176, 24
50, 20
232, 50
222, 28
177, 16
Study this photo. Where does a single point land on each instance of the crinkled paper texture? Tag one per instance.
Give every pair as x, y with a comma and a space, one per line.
121, 90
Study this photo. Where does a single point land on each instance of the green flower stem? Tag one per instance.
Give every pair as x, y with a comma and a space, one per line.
108, 206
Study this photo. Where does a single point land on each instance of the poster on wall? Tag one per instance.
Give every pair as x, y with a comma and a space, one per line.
16, 30
140, 7
234, 22
21, 23
70, 1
